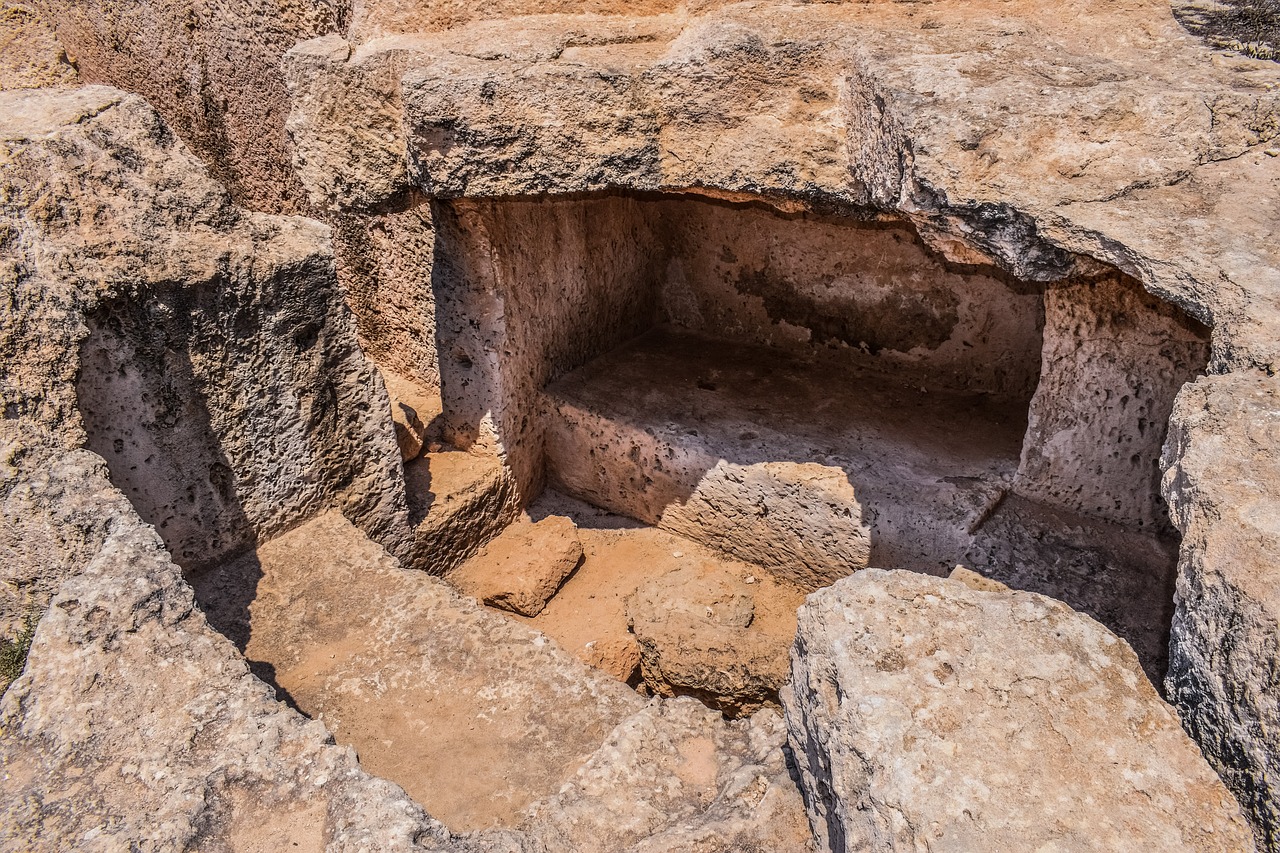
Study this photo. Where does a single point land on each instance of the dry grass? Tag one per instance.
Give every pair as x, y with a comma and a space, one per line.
13, 653
1249, 26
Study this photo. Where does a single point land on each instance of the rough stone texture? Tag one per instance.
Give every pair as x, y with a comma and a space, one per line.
1124, 140
1114, 358
521, 300
1043, 138
864, 291
678, 777
406, 671
973, 580
414, 411
212, 71
30, 55
588, 615
385, 261
458, 501
619, 656
696, 639
1223, 488
203, 351
917, 724
1122, 577
134, 723
771, 458
522, 568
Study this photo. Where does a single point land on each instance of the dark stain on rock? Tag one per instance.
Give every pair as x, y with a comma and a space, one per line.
898, 321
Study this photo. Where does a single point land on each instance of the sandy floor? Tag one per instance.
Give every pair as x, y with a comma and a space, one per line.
476, 717
618, 556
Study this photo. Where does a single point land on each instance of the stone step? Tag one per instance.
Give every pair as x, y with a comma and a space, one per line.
812, 469
458, 501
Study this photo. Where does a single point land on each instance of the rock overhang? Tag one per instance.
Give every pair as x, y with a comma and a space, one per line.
1003, 139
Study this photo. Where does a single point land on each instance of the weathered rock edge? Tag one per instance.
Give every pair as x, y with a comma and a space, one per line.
1222, 482
915, 727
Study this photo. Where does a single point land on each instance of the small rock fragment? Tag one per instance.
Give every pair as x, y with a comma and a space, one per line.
523, 568
618, 656
695, 638
975, 581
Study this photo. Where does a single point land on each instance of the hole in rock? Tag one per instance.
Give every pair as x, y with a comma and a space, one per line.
653, 425
804, 395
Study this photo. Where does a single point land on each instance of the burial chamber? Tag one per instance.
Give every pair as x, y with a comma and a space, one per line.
806, 393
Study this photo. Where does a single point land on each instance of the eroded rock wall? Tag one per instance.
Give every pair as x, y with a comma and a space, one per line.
30, 55
134, 723
385, 265
1114, 359
212, 70
527, 291
220, 378
1223, 486
803, 282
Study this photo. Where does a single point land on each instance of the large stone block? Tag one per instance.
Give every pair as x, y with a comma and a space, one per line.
1223, 488
927, 714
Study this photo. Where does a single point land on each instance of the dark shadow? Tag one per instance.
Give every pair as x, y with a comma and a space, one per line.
1249, 26
146, 414
1122, 578
417, 483
225, 593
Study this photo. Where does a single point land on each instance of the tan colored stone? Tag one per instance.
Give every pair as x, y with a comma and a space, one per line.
30, 55
523, 567
618, 656
975, 581
695, 639
212, 71
925, 713
414, 410
1223, 486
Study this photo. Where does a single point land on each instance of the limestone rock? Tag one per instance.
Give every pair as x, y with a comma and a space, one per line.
204, 351
695, 639
458, 501
619, 656
30, 55
676, 776
447, 676
975, 581
213, 73
1223, 487
135, 724
410, 430
925, 713
523, 567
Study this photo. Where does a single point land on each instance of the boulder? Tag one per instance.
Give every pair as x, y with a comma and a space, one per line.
1223, 486
925, 714
522, 569
696, 639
